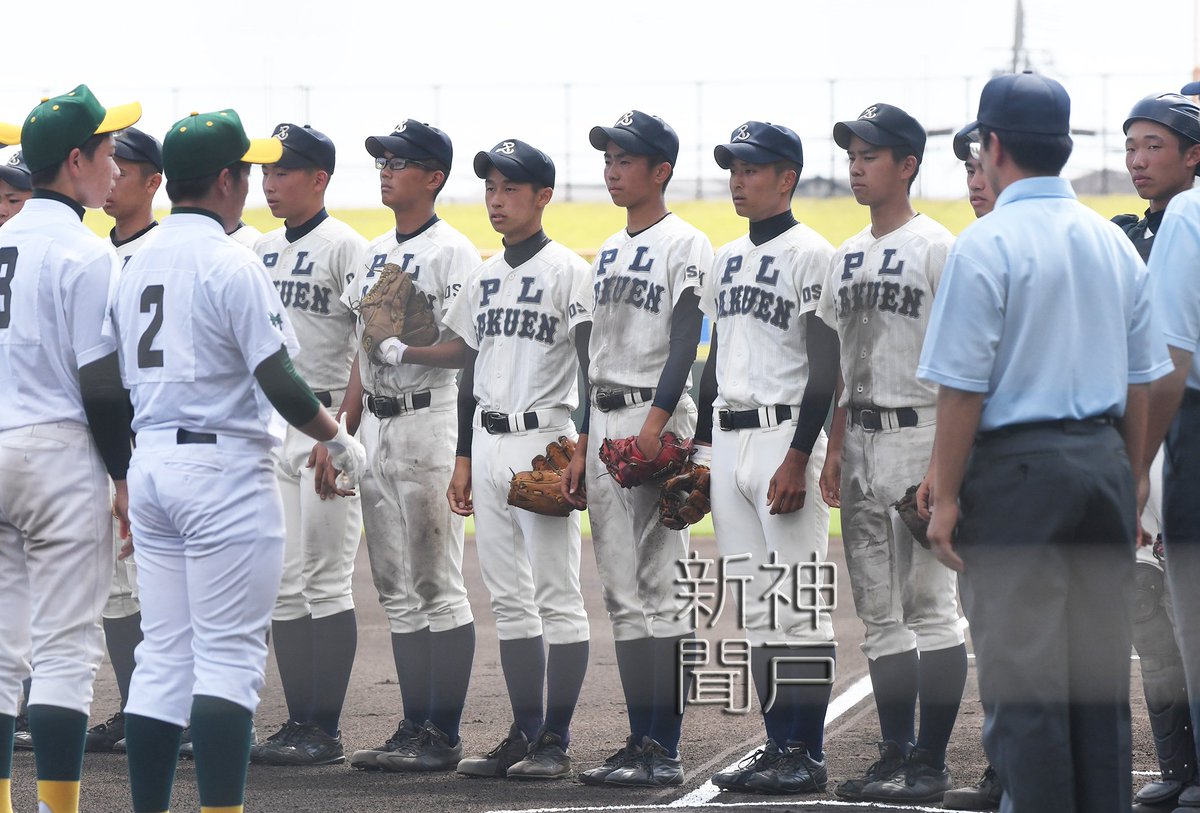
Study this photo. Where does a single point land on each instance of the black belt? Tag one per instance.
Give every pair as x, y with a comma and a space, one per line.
872, 419
608, 400
188, 436
1061, 425
728, 419
500, 423
1191, 398
385, 406
325, 397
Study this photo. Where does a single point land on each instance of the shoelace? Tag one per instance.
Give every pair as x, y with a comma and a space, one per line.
284, 734
760, 759
504, 743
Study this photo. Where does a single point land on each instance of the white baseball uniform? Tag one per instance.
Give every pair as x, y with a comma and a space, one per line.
522, 322
414, 541
127, 248
635, 283
878, 298
55, 527
311, 271
757, 297
195, 314
246, 235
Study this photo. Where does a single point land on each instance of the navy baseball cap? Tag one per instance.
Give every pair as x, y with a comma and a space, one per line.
304, 148
1024, 103
415, 140
518, 162
963, 140
760, 142
883, 125
639, 133
134, 145
1190, 89
15, 172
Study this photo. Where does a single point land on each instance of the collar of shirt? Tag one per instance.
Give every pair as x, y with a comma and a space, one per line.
112, 235
767, 230
195, 210
401, 237
292, 235
1042, 186
524, 251
50, 194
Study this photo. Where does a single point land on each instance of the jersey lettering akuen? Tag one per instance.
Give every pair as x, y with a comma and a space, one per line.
439, 259
878, 298
757, 296
311, 274
636, 281
522, 321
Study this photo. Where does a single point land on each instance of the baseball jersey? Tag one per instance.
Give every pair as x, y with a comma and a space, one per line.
522, 321
878, 298
127, 248
54, 276
311, 273
194, 315
1175, 278
439, 259
756, 296
246, 235
635, 282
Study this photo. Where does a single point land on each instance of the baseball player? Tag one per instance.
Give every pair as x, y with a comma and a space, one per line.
205, 344
139, 163
245, 234
646, 325
311, 259
64, 423
523, 317
409, 427
1045, 510
15, 186
768, 445
878, 296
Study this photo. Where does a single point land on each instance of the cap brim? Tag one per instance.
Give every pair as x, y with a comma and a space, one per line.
1190, 89
120, 117
10, 134
292, 158
750, 153
963, 140
485, 161
867, 130
600, 136
398, 146
263, 151
15, 178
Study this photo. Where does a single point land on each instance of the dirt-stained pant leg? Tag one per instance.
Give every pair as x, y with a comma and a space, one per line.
414, 542
904, 596
637, 557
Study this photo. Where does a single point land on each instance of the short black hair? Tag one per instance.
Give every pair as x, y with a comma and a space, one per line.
195, 188
1038, 153
782, 167
902, 151
656, 160
47, 176
434, 165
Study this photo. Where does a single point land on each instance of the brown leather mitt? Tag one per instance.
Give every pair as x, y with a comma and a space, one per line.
395, 308
906, 507
539, 490
684, 497
629, 468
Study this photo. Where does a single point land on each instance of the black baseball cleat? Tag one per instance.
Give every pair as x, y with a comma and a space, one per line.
430, 751
496, 762
275, 742
185, 744
22, 739
984, 795
653, 768
547, 759
920, 780
891, 759
101, 738
367, 758
760, 760
304, 744
794, 772
621, 759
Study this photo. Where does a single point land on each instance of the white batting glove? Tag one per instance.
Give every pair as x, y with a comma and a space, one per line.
347, 454
391, 351
703, 456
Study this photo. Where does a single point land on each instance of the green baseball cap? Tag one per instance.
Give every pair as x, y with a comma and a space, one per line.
205, 143
62, 123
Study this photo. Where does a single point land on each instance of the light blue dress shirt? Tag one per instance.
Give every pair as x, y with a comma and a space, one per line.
1175, 271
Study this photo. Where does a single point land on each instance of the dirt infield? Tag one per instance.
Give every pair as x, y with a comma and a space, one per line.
712, 739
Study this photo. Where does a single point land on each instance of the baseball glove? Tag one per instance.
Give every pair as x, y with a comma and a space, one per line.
906, 507
684, 498
539, 490
629, 468
394, 307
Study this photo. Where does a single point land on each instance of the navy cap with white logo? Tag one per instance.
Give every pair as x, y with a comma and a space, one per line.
1024, 103
963, 140
415, 140
305, 148
883, 125
639, 133
518, 162
134, 145
15, 172
760, 142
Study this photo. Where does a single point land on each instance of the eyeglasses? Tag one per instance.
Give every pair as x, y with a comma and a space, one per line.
397, 164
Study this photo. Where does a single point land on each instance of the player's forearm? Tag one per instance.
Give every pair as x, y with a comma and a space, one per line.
106, 406
822, 346
352, 401
449, 355
958, 414
583, 340
1166, 394
686, 321
1133, 425
837, 427
708, 393
290, 394
466, 406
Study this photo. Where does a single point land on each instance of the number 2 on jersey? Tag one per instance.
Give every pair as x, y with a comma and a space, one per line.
8, 267
152, 298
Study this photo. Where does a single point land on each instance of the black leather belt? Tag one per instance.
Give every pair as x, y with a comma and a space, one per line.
499, 423
385, 406
1062, 425
325, 397
872, 419
728, 419
608, 400
188, 436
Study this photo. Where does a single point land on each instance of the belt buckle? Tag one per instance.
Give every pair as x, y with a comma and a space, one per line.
603, 399
725, 419
492, 420
383, 406
875, 417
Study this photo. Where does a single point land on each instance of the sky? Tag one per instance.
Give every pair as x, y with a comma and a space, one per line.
547, 71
